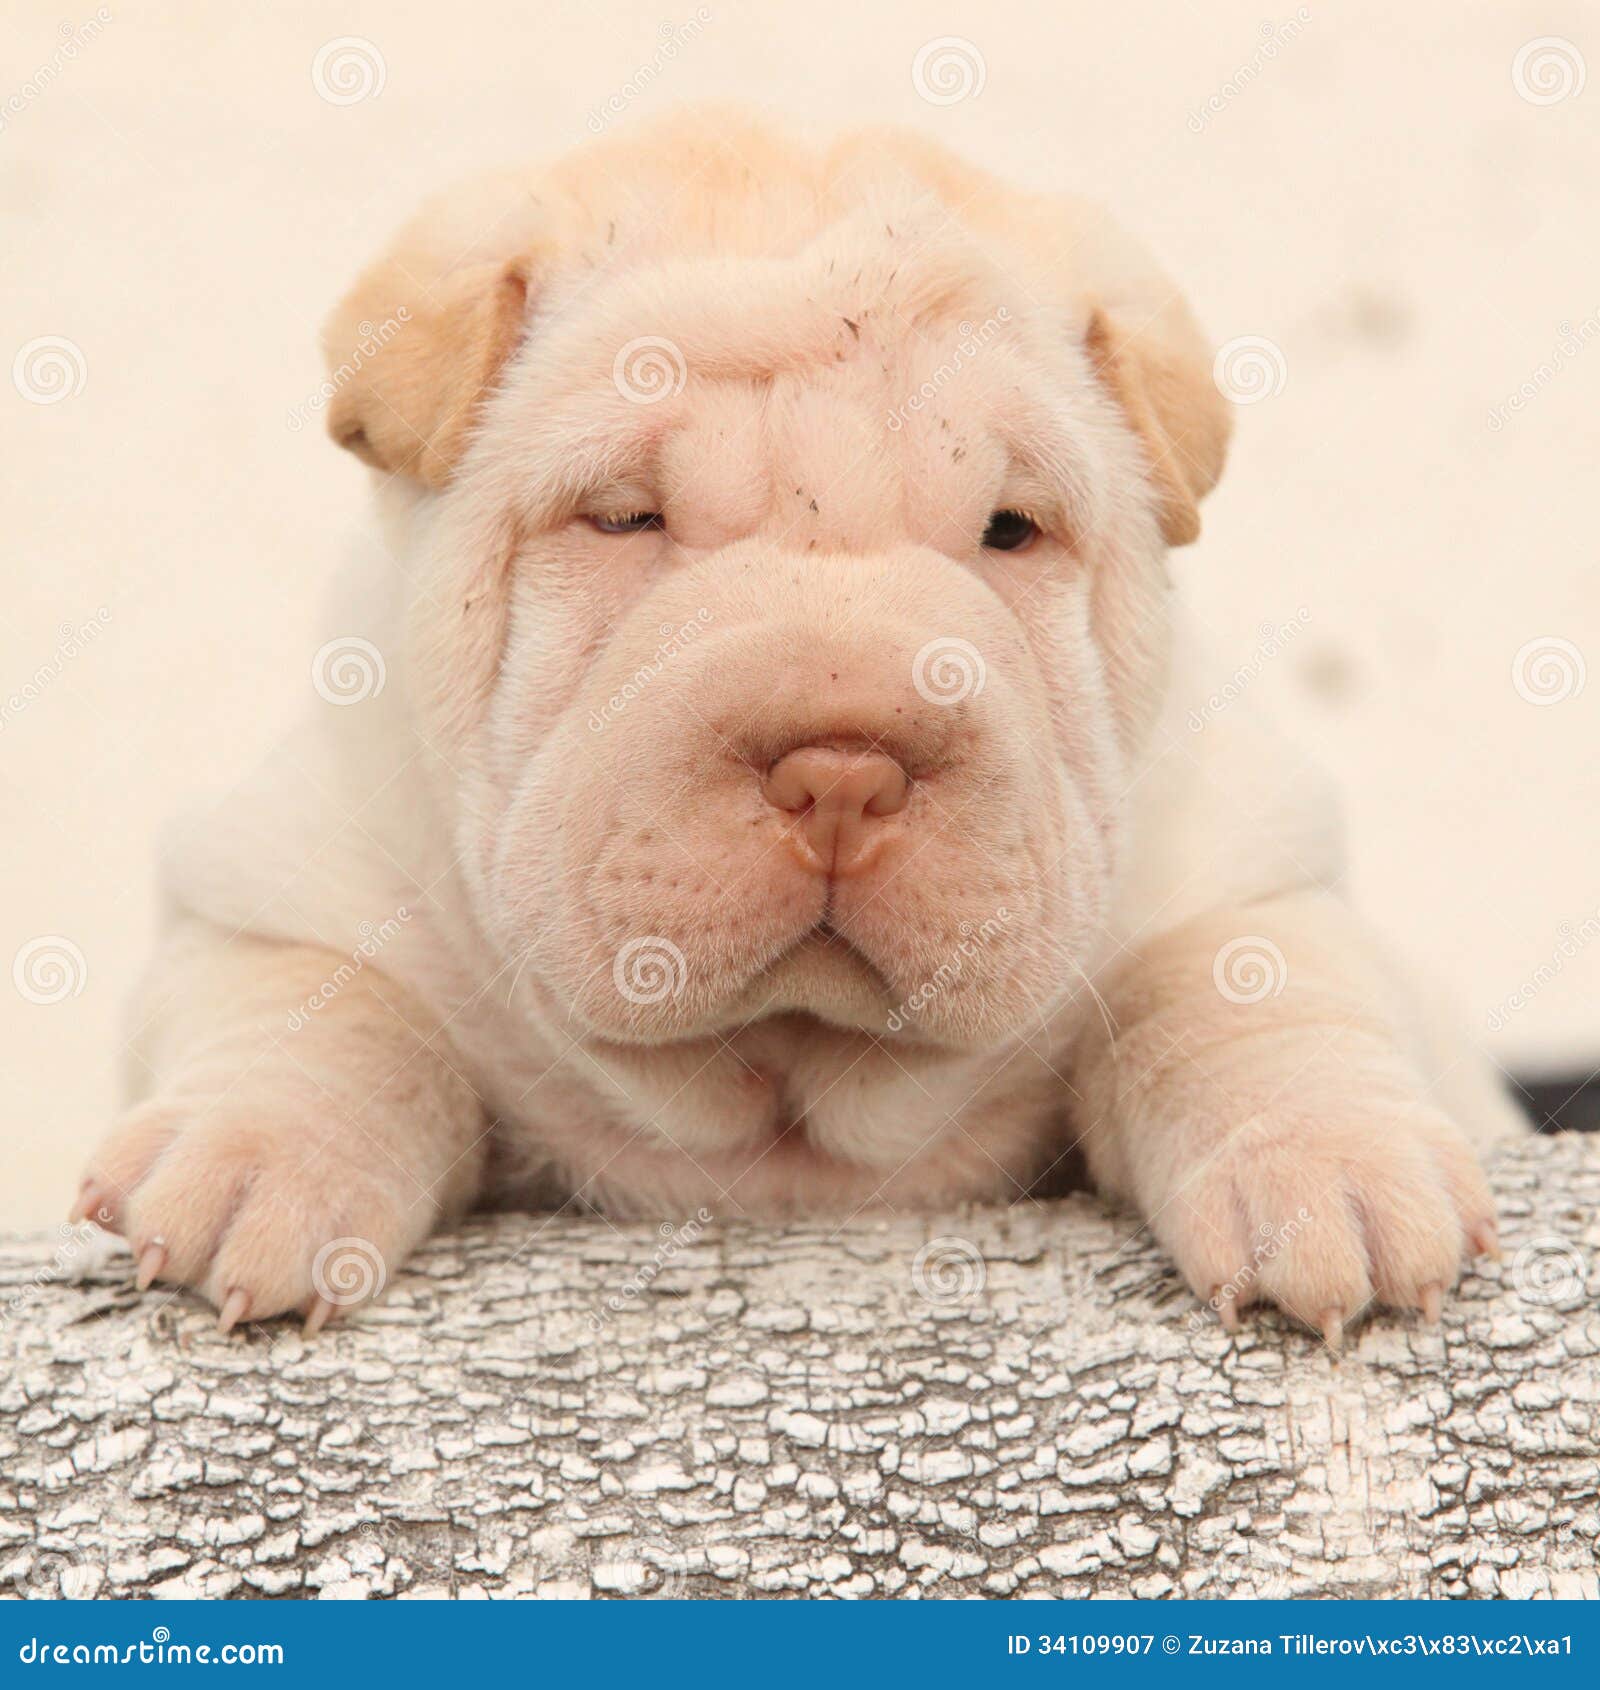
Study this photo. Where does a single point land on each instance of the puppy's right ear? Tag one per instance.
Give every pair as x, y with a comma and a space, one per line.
411, 359
1164, 387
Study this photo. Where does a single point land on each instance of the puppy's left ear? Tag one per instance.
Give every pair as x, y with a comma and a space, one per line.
1167, 393
411, 358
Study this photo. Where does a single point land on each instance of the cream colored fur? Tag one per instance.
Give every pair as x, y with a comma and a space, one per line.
604, 976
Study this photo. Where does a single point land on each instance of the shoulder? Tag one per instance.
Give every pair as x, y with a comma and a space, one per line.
1225, 807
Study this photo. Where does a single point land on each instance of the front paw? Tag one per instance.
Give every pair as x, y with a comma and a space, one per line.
253, 1205
1327, 1218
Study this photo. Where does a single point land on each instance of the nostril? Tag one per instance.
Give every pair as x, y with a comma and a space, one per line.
823, 777
832, 793
890, 791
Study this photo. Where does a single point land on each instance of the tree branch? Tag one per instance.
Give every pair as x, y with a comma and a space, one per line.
1032, 1405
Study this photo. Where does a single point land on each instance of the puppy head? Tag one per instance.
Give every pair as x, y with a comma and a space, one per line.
789, 586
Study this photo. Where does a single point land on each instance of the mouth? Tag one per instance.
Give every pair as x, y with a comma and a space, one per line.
824, 975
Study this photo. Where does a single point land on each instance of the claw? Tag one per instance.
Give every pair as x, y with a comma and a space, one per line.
92, 1204
1332, 1324
152, 1258
1227, 1310
1486, 1240
235, 1306
1431, 1302
317, 1314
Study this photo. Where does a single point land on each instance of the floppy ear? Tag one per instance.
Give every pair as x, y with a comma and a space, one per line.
410, 361
1167, 394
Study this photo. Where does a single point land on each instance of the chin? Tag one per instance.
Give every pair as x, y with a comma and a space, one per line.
822, 976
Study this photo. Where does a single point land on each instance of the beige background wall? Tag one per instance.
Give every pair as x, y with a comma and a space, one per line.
1378, 196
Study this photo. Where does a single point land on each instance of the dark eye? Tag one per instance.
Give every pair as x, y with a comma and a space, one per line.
627, 522
1010, 531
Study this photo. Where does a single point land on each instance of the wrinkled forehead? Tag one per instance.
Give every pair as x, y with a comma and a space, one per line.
884, 348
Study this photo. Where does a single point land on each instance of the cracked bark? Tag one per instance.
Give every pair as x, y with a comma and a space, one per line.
786, 1412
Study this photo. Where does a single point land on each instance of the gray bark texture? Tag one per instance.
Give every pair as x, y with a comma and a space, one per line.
998, 1403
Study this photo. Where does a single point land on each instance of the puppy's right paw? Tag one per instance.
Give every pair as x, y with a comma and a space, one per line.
252, 1205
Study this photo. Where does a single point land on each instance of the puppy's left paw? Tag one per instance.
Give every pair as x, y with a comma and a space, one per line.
1326, 1218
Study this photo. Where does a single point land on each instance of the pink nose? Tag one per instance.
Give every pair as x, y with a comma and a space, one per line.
838, 799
